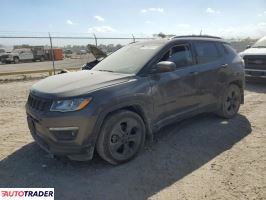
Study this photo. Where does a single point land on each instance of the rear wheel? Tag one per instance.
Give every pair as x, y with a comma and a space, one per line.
16, 60
121, 137
231, 101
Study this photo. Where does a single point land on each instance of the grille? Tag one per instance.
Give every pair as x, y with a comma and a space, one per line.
38, 103
255, 62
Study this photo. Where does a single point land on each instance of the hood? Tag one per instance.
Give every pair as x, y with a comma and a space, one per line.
77, 83
253, 51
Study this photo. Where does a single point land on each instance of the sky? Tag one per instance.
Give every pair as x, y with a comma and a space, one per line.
226, 18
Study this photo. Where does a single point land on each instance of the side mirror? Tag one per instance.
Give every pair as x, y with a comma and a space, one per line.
248, 46
164, 66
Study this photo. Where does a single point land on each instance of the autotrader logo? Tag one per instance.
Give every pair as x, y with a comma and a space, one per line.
27, 193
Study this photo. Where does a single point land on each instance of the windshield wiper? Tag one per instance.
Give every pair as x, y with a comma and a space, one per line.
105, 70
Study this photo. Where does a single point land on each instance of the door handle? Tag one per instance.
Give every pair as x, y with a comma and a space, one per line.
194, 73
224, 65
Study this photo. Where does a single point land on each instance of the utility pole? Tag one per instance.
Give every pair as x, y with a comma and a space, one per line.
52, 51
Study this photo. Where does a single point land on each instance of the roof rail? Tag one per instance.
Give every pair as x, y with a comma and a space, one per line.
202, 36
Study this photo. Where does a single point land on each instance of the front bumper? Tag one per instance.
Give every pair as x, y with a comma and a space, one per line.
259, 73
6, 59
78, 147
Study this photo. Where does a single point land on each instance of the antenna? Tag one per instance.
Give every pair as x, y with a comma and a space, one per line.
200, 31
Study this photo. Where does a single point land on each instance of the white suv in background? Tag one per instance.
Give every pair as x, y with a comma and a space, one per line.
17, 55
255, 59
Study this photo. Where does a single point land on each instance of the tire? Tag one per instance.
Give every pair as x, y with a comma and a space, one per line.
41, 59
231, 101
121, 137
16, 60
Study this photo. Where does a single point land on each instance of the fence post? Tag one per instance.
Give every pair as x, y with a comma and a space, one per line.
52, 51
95, 38
133, 38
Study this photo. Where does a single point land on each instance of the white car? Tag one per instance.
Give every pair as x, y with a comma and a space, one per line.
17, 55
255, 59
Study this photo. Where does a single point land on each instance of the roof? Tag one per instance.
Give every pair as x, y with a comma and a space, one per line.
182, 38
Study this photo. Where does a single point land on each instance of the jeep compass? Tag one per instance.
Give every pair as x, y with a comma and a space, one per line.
117, 105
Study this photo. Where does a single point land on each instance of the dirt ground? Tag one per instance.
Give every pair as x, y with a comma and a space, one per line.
200, 158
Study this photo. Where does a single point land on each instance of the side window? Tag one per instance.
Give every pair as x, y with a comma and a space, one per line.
206, 52
180, 55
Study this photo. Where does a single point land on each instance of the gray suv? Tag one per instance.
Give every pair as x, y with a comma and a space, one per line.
117, 105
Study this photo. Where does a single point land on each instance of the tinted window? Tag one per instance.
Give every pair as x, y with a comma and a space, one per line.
180, 55
206, 52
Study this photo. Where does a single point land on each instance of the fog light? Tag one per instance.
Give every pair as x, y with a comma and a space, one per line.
64, 133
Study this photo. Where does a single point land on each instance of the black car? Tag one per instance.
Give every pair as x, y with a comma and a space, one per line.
116, 106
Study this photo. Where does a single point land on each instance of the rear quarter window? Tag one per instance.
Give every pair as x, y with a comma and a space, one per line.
206, 52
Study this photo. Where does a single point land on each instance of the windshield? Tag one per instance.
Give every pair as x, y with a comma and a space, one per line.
129, 59
260, 43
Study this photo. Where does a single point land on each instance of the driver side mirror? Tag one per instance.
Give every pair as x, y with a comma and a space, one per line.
248, 46
164, 66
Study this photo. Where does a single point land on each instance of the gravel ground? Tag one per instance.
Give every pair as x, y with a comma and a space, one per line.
200, 158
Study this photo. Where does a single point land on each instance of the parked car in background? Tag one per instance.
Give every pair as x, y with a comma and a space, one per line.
33, 53
82, 52
255, 59
17, 55
114, 107
68, 53
38, 53
2, 52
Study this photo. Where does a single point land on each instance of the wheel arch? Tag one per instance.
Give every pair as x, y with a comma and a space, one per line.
241, 85
134, 107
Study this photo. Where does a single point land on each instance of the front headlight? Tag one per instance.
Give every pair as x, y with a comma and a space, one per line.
70, 105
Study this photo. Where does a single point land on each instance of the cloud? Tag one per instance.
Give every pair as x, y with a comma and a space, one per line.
143, 10
243, 31
212, 11
261, 14
160, 10
69, 22
101, 29
99, 18
149, 22
184, 25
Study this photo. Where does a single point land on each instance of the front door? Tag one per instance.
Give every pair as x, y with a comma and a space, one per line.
175, 93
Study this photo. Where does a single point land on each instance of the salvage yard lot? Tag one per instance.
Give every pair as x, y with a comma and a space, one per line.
200, 158
47, 65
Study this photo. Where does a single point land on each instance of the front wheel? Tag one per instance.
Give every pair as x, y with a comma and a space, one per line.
121, 137
231, 101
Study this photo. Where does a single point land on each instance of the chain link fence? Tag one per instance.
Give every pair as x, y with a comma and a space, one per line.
20, 52
24, 52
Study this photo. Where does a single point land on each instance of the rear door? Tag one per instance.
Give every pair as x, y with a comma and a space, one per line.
175, 93
211, 65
